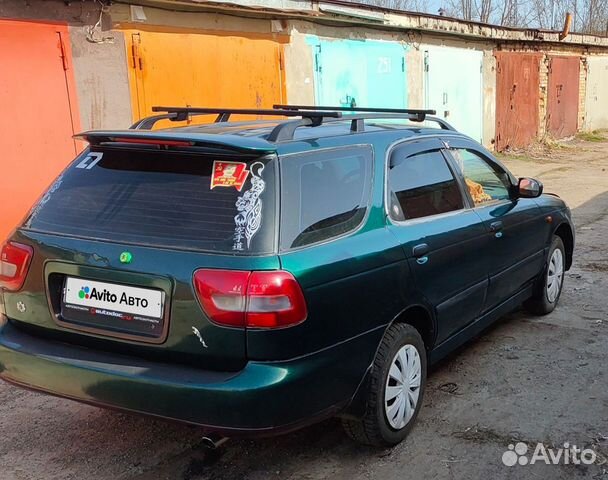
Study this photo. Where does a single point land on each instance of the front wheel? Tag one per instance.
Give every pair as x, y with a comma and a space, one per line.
394, 393
549, 286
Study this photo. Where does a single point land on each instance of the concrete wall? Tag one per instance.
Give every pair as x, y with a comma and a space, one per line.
489, 98
101, 80
299, 69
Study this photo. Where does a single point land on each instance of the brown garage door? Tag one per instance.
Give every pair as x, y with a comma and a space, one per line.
562, 109
517, 99
38, 115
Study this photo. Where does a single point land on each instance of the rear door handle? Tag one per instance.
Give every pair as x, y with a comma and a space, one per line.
496, 226
420, 250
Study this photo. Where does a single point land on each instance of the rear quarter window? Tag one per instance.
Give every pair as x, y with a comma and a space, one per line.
324, 194
164, 198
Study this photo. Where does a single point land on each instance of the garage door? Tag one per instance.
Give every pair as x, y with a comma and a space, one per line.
562, 110
364, 73
39, 113
453, 87
596, 101
183, 69
517, 99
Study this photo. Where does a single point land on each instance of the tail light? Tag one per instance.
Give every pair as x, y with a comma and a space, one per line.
250, 299
15, 260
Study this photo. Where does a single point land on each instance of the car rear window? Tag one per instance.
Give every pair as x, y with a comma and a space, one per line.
324, 194
201, 201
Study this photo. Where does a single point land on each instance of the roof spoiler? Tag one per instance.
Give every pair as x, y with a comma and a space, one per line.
168, 139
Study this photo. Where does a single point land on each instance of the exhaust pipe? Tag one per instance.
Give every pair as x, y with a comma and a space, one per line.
213, 441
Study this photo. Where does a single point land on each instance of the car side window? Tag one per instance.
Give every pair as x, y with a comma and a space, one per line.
324, 194
421, 185
485, 182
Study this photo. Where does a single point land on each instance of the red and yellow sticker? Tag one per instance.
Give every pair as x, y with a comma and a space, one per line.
229, 174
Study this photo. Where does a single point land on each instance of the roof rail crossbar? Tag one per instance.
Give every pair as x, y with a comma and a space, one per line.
414, 115
407, 111
180, 114
225, 113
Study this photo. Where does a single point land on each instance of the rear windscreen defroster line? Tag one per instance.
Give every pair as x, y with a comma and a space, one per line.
180, 199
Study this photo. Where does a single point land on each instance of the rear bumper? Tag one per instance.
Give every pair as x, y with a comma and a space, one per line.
263, 398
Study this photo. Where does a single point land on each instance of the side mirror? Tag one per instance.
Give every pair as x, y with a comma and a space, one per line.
529, 188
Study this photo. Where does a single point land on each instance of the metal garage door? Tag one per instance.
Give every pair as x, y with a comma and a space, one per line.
183, 69
454, 87
596, 101
39, 114
562, 105
517, 99
365, 73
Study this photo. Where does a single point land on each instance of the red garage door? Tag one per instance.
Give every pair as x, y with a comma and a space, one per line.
517, 99
38, 113
562, 111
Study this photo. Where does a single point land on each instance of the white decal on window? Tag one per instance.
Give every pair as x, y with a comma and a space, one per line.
47, 196
90, 160
249, 206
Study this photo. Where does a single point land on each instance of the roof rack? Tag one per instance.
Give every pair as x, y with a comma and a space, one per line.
311, 116
180, 114
358, 120
419, 114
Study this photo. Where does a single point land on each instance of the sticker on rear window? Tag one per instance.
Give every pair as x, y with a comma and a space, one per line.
229, 174
90, 160
249, 206
43, 201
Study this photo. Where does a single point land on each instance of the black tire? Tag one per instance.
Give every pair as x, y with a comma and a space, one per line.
374, 427
540, 303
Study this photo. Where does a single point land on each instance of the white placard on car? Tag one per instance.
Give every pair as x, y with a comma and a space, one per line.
110, 296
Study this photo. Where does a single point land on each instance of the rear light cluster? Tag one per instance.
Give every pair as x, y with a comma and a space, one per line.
15, 260
250, 299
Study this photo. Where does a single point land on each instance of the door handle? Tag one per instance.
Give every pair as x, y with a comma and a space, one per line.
496, 229
420, 250
496, 226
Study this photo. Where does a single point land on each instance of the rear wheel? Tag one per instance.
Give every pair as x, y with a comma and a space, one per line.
394, 393
549, 287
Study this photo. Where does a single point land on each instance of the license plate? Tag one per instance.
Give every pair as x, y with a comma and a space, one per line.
109, 299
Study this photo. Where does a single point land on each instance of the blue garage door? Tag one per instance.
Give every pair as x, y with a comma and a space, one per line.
364, 73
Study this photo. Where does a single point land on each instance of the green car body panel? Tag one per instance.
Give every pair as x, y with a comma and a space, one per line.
268, 380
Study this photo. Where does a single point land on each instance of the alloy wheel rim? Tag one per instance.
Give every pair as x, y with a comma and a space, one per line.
402, 389
555, 275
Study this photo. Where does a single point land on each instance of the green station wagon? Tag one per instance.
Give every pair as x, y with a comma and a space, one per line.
254, 277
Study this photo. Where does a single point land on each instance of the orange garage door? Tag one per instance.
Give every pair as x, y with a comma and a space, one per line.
38, 116
193, 69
